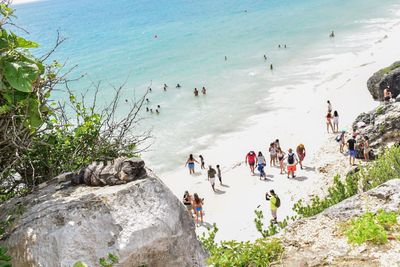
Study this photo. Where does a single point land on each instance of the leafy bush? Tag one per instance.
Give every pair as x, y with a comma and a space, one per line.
104, 262
5, 260
371, 227
385, 168
272, 228
379, 110
262, 252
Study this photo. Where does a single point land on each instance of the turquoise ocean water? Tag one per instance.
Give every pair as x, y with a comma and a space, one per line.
113, 41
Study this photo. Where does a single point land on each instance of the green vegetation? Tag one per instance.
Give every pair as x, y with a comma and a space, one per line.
272, 228
5, 260
379, 110
261, 252
45, 137
390, 68
385, 168
371, 227
104, 262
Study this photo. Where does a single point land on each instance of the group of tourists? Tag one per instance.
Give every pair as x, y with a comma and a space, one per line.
287, 162
211, 172
194, 206
332, 121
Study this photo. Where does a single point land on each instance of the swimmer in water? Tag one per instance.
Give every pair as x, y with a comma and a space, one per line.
165, 87
151, 110
332, 34
147, 100
150, 89
157, 111
126, 100
158, 106
147, 109
279, 46
285, 46
265, 57
203, 90
226, 58
196, 92
178, 86
271, 67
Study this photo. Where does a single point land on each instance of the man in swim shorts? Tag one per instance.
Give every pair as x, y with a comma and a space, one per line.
211, 176
251, 160
291, 163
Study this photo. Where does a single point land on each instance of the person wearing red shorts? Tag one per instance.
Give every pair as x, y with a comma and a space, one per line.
291, 163
251, 159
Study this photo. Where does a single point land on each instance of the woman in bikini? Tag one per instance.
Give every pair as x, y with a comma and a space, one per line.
272, 153
329, 122
187, 201
198, 208
281, 158
190, 163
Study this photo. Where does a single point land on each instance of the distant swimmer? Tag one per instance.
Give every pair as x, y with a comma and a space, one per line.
150, 89
265, 57
178, 85
151, 110
155, 36
203, 90
285, 46
165, 87
158, 106
271, 67
196, 92
147, 100
226, 58
157, 111
332, 34
279, 46
126, 100
147, 109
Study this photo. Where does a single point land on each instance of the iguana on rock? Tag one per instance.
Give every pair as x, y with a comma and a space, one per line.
120, 171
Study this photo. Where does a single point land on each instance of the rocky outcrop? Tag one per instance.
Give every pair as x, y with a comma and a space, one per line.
382, 125
389, 76
318, 241
141, 222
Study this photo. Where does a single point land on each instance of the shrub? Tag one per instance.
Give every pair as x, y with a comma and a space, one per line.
261, 252
5, 260
385, 168
371, 227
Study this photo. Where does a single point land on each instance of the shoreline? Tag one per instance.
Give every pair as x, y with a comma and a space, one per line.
19, 2
232, 209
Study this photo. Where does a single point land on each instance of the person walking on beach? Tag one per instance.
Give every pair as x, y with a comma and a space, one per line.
190, 162
281, 158
329, 122
203, 90
341, 139
219, 175
265, 57
261, 164
202, 165
291, 163
274, 203
272, 154
211, 176
196, 92
366, 148
198, 208
351, 143
335, 121
251, 159
329, 106
187, 201
301, 154
277, 145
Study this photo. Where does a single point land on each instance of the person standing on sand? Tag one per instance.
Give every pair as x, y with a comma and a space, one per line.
329, 122
329, 106
211, 177
274, 203
219, 175
277, 145
335, 121
251, 159
366, 148
281, 158
190, 162
291, 163
198, 208
272, 154
351, 143
196, 92
261, 164
271, 67
202, 166
187, 201
301, 154
341, 139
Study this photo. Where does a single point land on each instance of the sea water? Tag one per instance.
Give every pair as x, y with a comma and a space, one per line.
148, 43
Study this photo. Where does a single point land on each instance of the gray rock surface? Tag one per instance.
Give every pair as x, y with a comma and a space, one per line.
318, 240
382, 125
389, 76
141, 222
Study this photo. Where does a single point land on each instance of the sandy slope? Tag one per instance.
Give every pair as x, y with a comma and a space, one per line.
297, 117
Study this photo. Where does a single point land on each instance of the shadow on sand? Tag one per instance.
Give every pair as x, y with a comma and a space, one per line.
219, 192
225, 185
299, 178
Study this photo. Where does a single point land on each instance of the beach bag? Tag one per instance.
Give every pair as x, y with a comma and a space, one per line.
278, 201
338, 138
290, 158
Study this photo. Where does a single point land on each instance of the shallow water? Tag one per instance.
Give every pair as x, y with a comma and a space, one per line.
111, 41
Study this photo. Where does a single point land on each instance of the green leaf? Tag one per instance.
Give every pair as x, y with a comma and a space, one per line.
80, 264
22, 42
34, 118
21, 75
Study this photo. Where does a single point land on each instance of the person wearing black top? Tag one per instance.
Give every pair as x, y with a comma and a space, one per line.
351, 143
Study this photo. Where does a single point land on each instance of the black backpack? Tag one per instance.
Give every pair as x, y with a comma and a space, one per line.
278, 201
290, 158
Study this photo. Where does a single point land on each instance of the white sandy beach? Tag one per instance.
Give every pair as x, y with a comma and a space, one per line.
297, 116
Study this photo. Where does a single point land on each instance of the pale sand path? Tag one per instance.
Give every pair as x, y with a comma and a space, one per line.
297, 117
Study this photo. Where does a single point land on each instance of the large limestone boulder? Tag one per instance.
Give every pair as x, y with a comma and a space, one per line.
318, 241
141, 222
389, 76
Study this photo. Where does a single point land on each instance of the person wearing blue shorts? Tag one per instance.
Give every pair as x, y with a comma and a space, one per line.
351, 143
190, 163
